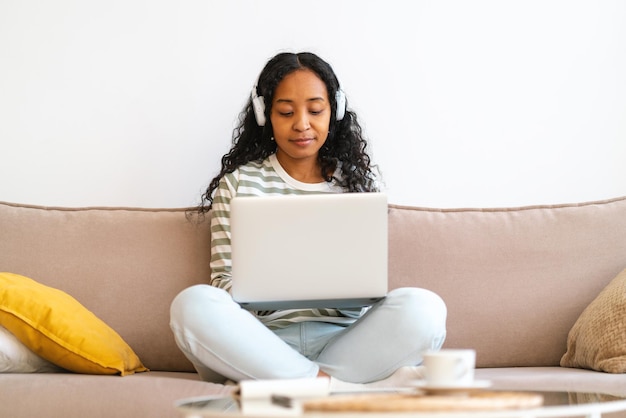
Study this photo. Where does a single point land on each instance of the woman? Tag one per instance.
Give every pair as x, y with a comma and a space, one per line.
296, 136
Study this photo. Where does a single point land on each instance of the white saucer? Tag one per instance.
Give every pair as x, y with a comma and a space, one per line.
461, 388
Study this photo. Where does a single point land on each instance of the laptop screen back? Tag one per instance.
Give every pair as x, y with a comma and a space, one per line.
308, 251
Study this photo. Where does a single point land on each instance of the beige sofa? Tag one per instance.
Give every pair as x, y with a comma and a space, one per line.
515, 281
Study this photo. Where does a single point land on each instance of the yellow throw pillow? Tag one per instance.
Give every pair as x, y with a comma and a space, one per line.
597, 340
59, 329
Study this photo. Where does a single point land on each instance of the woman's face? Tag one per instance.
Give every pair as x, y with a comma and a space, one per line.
300, 116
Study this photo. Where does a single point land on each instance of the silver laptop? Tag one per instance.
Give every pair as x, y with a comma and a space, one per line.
309, 251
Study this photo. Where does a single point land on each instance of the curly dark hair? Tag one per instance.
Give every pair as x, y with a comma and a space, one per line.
345, 143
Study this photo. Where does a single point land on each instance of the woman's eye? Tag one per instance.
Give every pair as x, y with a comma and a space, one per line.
289, 113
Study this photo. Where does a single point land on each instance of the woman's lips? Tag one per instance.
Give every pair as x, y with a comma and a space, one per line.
302, 141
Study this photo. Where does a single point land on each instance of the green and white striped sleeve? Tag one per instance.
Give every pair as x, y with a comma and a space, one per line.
220, 232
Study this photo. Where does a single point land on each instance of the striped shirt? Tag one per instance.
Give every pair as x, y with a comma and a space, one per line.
264, 178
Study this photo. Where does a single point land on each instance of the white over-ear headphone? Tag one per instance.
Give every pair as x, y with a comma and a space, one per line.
340, 98
258, 104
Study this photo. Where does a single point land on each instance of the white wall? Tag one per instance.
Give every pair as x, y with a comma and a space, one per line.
466, 103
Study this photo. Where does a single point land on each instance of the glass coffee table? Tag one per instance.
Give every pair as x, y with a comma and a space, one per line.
555, 404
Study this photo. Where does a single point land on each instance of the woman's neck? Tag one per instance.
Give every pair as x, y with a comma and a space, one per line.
305, 170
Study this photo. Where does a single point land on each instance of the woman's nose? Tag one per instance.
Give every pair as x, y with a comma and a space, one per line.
301, 123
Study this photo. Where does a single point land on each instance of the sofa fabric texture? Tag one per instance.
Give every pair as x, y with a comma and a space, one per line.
124, 265
515, 281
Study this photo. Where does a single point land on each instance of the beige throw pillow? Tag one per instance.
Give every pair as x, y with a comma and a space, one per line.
598, 338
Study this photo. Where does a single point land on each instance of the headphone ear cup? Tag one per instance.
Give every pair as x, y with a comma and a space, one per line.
340, 98
258, 104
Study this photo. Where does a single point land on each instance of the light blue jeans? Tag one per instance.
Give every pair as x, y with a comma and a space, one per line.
224, 341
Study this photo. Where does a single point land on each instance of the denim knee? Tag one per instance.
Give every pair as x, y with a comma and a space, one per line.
199, 300
424, 310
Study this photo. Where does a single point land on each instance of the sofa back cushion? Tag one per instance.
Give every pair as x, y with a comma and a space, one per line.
124, 265
515, 280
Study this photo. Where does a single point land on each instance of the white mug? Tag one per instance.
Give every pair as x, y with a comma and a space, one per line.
449, 367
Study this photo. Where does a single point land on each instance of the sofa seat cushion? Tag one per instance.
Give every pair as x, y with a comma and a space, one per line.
597, 340
557, 379
58, 328
150, 394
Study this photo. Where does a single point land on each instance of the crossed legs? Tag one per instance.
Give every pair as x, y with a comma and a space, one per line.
224, 341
